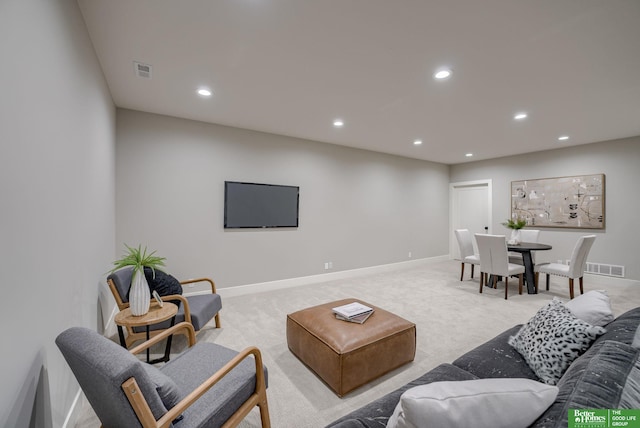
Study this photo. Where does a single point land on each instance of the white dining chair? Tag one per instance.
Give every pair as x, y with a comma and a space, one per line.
467, 254
494, 260
575, 269
526, 235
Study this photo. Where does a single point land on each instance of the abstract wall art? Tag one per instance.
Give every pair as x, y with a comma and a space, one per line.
570, 202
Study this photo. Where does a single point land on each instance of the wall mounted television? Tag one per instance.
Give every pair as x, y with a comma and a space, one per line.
255, 205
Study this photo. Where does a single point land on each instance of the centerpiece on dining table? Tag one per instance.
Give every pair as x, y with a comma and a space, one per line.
515, 226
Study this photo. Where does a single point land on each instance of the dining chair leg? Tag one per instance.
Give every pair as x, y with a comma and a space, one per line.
461, 270
571, 288
472, 266
547, 282
506, 286
481, 281
537, 278
581, 288
520, 284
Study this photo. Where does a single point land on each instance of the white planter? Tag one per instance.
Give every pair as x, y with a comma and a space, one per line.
139, 294
515, 237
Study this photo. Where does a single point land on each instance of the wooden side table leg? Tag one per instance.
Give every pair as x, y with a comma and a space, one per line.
147, 339
167, 349
123, 342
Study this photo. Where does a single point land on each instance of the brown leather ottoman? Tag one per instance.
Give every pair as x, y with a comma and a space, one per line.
347, 355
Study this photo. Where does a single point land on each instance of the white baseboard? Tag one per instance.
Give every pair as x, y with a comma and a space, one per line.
260, 287
241, 290
110, 328
75, 411
609, 280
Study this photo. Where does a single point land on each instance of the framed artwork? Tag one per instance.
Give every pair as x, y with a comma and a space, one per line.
572, 202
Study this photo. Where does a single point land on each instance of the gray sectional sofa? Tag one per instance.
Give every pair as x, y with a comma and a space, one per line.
606, 376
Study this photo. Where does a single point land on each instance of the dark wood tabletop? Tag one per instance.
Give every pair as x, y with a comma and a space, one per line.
528, 246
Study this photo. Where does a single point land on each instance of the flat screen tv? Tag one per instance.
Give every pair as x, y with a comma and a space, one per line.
255, 205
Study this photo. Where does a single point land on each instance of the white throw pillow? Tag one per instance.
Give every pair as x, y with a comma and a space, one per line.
593, 307
480, 403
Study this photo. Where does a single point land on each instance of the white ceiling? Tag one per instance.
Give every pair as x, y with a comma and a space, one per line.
291, 67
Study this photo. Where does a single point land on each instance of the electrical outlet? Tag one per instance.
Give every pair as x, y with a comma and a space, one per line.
326, 265
409, 254
330, 265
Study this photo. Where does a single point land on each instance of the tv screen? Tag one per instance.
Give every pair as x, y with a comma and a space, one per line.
254, 205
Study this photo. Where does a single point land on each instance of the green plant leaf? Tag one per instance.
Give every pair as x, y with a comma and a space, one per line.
516, 224
139, 258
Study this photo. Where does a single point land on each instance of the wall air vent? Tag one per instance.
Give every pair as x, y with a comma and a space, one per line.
605, 269
142, 70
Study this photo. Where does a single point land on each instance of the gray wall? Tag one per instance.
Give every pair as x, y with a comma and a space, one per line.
357, 208
619, 160
57, 190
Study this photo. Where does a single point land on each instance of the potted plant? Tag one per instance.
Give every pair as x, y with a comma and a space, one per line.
515, 226
139, 294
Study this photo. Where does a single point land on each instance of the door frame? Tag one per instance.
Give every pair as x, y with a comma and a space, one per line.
452, 189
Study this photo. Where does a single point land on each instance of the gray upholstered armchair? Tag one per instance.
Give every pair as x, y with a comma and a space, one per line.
208, 385
197, 310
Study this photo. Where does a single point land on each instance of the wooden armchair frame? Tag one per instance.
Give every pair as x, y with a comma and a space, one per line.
258, 398
133, 336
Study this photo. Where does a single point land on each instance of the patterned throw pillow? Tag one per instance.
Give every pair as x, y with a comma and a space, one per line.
552, 339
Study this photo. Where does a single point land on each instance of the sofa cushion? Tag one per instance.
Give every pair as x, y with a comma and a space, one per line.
636, 339
481, 403
226, 396
593, 307
608, 377
167, 389
496, 358
377, 413
552, 339
623, 328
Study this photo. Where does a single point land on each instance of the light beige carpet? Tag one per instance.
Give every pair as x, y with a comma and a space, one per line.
451, 318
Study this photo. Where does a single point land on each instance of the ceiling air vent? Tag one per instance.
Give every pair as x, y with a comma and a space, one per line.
142, 70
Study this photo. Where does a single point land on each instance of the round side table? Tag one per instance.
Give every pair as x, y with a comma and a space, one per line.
155, 315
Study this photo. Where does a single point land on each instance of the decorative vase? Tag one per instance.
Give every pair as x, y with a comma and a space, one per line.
139, 294
515, 237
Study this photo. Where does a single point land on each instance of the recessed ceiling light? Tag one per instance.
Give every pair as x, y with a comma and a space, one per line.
442, 74
520, 116
469, 155
563, 138
204, 92
338, 123
417, 142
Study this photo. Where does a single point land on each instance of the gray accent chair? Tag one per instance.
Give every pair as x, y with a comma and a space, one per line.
197, 310
208, 385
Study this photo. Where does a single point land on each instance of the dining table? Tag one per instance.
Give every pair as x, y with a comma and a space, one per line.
525, 248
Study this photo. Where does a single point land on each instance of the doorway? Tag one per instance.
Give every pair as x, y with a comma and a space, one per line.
469, 208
